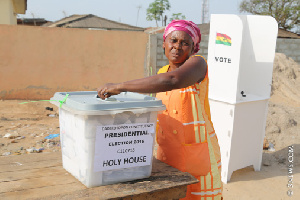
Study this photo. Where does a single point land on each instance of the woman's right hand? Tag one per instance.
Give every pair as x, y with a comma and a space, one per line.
108, 90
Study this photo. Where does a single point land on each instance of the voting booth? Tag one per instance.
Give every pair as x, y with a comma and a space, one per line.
241, 52
107, 141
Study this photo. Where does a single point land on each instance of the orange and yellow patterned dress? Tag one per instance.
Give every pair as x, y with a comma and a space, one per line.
187, 141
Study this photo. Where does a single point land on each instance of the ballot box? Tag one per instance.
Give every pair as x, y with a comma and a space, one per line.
107, 141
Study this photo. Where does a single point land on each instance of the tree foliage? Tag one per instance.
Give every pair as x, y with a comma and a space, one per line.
286, 12
177, 16
156, 10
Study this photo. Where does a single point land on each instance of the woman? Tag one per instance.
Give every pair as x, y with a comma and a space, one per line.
186, 138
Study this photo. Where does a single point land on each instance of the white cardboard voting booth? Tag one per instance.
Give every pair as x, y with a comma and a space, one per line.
241, 52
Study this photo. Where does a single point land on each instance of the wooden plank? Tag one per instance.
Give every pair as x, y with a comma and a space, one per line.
21, 166
30, 183
47, 179
164, 194
31, 173
42, 192
172, 193
28, 158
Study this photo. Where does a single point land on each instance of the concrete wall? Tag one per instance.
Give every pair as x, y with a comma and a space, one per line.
7, 15
290, 47
36, 62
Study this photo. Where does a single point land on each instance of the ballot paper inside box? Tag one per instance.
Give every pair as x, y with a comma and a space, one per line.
107, 141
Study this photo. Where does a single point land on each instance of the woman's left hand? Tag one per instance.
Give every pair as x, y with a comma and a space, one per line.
108, 90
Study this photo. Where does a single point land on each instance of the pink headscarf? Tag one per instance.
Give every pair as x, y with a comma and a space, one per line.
187, 26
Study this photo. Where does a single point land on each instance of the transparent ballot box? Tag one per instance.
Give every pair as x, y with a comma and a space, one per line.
107, 141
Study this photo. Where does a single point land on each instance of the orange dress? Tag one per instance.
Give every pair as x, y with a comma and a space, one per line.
187, 141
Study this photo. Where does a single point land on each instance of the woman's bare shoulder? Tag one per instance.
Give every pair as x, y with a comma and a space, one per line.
197, 60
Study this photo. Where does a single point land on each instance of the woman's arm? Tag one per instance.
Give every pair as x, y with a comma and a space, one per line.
192, 71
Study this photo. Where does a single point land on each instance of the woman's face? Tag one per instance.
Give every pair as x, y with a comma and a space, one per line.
178, 47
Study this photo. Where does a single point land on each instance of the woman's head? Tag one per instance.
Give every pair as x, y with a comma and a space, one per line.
187, 26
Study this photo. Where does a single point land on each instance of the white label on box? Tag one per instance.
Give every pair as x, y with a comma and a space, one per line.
123, 146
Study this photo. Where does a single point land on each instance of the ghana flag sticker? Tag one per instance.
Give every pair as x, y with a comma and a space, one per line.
223, 39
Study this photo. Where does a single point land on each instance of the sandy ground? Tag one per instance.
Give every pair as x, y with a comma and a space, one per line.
23, 128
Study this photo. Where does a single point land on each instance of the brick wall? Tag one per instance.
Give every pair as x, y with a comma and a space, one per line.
290, 47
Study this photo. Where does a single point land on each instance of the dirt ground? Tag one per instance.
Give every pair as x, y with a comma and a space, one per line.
23, 128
